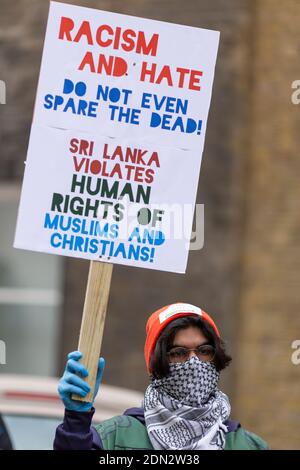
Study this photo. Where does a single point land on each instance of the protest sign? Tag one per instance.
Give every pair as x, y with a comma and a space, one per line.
117, 137
116, 140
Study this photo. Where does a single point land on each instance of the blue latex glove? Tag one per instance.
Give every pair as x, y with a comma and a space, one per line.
71, 382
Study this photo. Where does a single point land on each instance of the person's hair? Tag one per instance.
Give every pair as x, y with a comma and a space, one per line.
159, 362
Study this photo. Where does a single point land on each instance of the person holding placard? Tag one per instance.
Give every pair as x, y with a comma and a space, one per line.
182, 409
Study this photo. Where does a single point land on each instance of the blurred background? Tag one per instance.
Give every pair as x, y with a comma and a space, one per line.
247, 276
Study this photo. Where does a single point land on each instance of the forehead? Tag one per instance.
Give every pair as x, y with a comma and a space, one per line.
190, 337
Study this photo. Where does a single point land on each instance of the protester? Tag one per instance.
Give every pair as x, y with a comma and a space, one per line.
182, 406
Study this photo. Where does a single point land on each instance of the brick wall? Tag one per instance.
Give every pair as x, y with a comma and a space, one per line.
267, 389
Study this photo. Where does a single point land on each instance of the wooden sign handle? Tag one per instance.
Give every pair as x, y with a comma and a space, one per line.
93, 320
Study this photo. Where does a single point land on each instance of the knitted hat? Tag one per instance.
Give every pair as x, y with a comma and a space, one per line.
165, 315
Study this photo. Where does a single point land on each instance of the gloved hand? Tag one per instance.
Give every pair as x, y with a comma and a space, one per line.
71, 382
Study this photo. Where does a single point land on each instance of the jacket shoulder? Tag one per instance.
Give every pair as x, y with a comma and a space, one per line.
241, 439
123, 432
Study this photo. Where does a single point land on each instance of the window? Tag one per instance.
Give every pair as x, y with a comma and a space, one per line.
30, 298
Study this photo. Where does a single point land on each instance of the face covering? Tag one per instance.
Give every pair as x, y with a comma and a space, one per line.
185, 410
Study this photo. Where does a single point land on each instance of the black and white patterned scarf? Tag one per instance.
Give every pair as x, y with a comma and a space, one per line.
185, 409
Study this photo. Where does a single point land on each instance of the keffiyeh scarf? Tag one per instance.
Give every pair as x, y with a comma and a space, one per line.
185, 409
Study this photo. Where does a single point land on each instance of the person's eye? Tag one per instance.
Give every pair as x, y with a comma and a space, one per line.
205, 350
178, 352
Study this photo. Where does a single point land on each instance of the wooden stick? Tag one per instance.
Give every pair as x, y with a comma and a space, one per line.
93, 320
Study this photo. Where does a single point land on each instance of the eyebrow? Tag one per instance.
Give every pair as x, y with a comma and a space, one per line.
181, 346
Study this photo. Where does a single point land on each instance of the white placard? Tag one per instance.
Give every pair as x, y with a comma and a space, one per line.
117, 138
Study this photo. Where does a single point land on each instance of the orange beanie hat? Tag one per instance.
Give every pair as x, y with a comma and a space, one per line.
165, 315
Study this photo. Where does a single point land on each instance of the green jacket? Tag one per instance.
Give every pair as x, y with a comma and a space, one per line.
126, 432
